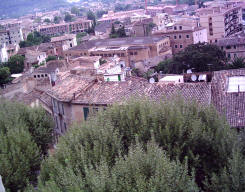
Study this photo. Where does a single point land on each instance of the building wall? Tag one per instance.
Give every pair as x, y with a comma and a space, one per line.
233, 51
215, 26
200, 36
12, 36
3, 54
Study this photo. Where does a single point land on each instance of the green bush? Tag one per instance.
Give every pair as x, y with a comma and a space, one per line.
184, 130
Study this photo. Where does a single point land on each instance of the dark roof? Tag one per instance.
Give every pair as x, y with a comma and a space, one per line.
232, 105
119, 42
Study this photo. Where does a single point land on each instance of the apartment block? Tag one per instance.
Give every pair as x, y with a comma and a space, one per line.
72, 27
181, 35
221, 21
11, 36
233, 46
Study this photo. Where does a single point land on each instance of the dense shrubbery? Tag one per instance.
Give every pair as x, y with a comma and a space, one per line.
147, 146
34, 38
25, 134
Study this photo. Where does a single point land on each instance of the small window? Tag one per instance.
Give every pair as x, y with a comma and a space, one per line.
35, 76
135, 53
131, 53
122, 54
85, 112
175, 28
216, 40
176, 46
38, 76
234, 46
180, 36
187, 36
181, 46
175, 37
180, 27
42, 75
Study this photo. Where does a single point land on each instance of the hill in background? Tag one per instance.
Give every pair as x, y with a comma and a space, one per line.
16, 8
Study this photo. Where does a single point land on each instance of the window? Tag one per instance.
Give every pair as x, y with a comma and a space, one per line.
234, 46
35, 76
135, 53
180, 27
236, 84
187, 36
175, 28
181, 46
176, 46
216, 40
180, 36
229, 55
131, 53
85, 112
42, 75
175, 37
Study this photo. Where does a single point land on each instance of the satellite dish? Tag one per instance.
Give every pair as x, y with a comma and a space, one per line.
189, 71
202, 77
193, 77
152, 80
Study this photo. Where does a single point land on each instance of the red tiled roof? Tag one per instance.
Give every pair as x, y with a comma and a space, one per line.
232, 105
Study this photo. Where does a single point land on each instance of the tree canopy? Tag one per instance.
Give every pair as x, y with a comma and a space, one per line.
199, 57
15, 64
25, 134
34, 38
4, 75
144, 146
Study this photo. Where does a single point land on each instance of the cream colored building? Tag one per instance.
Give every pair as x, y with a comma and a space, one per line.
221, 21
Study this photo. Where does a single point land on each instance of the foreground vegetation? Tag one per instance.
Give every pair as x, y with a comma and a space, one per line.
147, 146
25, 134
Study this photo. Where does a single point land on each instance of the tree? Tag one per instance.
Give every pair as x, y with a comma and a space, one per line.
24, 137
50, 58
16, 64
90, 15
35, 38
237, 63
121, 32
189, 133
75, 10
200, 57
165, 66
4, 75
47, 20
100, 13
68, 17
57, 19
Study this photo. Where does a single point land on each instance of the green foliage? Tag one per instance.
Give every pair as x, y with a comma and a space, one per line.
4, 75
184, 130
24, 137
50, 58
122, 7
91, 15
47, 20
16, 64
237, 63
117, 33
19, 158
34, 38
68, 17
100, 13
75, 10
165, 66
57, 20
200, 57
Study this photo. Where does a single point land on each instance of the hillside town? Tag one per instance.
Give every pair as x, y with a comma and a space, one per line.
79, 61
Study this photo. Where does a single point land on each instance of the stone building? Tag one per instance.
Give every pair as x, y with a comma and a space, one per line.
221, 21
11, 36
130, 49
182, 34
63, 28
233, 46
